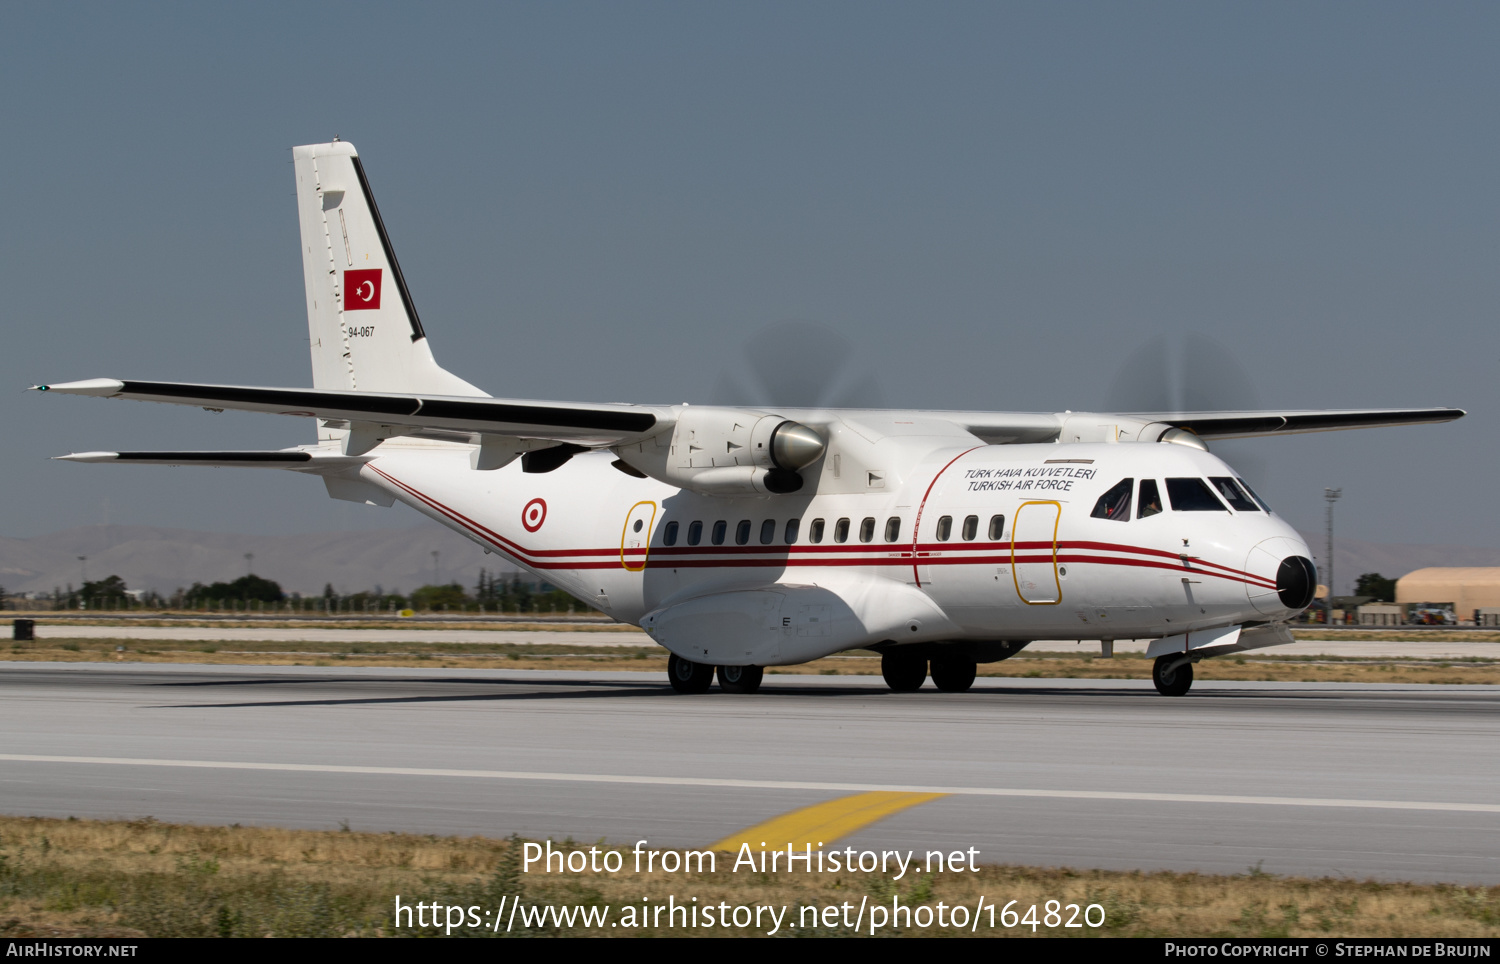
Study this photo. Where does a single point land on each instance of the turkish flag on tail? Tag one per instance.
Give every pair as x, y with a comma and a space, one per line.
362, 289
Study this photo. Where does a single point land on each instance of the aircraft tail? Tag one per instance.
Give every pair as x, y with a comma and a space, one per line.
364, 331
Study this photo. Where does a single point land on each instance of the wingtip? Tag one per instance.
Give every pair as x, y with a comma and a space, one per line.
87, 457
102, 387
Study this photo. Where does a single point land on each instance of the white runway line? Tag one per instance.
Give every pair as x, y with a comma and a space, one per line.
1324, 802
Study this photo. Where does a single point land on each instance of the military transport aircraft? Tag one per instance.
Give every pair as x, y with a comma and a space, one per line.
741, 538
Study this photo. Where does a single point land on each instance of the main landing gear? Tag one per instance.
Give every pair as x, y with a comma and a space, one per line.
1172, 680
687, 676
905, 673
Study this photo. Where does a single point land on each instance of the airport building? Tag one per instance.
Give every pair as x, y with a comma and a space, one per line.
1469, 591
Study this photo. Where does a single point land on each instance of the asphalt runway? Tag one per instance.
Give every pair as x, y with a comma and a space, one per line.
1386, 781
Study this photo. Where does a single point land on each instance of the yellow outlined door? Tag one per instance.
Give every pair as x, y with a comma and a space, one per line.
1033, 553
635, 539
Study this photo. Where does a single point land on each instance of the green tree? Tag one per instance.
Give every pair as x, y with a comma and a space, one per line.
1376, 586
451, 596
244, 589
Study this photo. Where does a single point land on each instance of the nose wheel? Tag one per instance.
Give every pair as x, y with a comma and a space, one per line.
1171, 680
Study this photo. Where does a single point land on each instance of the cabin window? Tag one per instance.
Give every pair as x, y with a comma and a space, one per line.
815, 531
790, 536
1258, 500
841, 531
867, 529
695, 533
742, 532
1192, 495
1149, 503
945, 528
1233, 494
971, 527
768, 532
669, 537
720, 528
893, 528
1115, 504
997, 527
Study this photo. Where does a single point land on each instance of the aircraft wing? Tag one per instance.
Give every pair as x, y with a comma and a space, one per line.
431, 416
1297, 422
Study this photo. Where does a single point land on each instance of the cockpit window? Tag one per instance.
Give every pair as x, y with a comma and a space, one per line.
1233, 494
1192, 495
1115, 504
1149, 503
1259, 501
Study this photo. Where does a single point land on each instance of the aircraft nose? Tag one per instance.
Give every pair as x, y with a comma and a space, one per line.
1281, 576
1296, 581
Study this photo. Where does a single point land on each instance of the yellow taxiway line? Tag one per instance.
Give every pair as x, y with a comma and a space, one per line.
823, 823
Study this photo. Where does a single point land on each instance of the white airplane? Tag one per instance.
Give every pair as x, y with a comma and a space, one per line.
743, 538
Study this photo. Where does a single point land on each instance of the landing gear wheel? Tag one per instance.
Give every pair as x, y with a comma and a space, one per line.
954, 674
904, 674
1173, 682
740, 679
688, 676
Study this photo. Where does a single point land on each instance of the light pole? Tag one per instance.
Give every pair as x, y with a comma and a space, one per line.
83, 580
249, 563
1331, 496
437, 577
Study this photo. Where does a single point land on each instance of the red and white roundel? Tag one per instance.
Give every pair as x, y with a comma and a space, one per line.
534, 515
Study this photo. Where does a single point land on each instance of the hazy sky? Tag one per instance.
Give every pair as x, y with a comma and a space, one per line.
999, 202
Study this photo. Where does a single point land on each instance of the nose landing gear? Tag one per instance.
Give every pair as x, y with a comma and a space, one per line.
1172, 674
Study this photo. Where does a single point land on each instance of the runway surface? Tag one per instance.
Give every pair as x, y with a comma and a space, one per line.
1389, 781
1372, 649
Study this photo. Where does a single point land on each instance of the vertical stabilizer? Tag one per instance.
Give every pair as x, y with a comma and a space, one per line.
364, 330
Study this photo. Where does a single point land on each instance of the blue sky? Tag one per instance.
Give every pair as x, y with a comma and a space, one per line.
998, 202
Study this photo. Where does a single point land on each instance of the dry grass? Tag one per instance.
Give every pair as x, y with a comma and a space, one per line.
100, 878
1028, 665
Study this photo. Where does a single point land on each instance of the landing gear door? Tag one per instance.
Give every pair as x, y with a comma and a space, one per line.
635, 540
1033, 553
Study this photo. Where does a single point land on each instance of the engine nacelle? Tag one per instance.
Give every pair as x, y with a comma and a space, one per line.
728, 451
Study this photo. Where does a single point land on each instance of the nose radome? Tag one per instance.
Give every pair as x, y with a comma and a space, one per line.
1296, 581
1282, 576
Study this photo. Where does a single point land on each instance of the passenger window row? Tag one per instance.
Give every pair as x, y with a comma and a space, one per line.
1185, 495
970, 528
789, 533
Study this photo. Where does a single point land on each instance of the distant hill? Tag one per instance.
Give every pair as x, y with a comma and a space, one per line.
164, 559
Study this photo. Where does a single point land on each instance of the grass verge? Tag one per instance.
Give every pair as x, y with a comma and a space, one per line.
144, 878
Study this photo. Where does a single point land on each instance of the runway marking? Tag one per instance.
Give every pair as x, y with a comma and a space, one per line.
609, 778
825, 822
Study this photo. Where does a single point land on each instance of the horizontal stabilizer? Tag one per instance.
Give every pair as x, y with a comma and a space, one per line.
430, 416
313, 460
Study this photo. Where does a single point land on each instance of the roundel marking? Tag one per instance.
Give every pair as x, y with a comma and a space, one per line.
534, 515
